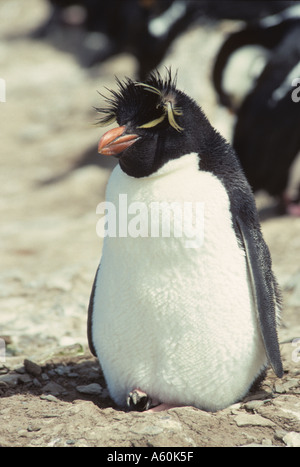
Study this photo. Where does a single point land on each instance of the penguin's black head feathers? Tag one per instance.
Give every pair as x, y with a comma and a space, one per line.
159, 121
137, 102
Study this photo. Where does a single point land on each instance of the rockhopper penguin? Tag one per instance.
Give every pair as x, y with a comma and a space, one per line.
175, 324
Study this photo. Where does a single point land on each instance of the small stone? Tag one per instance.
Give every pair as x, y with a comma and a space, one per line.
92, 389
72, 374
292, 439
279, 388
25, 378
49, 397
254, 420
32, 368
291, 383
253, 405
9, 379
70, 442
279, 434
36, 383
53, 388
33, 427
3, 370
62, 370
267, 442
234, 408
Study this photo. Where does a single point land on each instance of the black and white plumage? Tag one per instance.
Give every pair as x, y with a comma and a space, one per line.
266, 136
173, 324
144, 28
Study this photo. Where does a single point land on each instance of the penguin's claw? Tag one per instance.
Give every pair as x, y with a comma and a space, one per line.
138, 400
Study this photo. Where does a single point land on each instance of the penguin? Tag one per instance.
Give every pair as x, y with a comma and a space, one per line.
268, 152
245, 53
267, 105
175, 321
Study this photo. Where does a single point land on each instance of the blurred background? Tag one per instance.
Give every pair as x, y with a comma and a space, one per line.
236, 59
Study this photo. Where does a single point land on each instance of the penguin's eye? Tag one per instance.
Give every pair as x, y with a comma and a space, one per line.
168, 108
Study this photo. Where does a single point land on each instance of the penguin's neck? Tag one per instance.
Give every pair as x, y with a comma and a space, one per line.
188, 162
177, 180
185, 162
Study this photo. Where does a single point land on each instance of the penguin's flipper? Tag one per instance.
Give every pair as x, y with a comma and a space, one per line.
90, 317
264, 290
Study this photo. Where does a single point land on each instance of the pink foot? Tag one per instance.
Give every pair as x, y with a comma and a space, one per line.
292, 207
162, 407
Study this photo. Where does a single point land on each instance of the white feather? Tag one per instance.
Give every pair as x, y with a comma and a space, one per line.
177, 322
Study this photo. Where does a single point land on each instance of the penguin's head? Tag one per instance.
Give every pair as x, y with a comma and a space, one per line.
157, 123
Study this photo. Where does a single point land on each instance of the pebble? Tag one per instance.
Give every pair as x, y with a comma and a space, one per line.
25, 378
291, 383
36, 383
253, 405
9, 379
279, 388
32, 368
279, 434
3, 370
254, 420
33, 427
92, 389
54, 388
70, 442
292, 439
65, 371
49, 397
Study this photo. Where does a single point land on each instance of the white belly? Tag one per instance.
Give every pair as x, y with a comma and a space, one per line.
177, 322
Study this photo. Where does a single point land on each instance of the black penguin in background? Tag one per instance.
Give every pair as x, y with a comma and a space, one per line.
266, 135
170, 320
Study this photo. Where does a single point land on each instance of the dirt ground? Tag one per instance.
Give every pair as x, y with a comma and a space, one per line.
52, 392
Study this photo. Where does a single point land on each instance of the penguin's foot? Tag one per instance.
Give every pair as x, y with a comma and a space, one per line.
162, 407
139, 401
293, 209
291, 206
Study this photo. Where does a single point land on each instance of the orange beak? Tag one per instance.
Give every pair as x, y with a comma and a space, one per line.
112, 142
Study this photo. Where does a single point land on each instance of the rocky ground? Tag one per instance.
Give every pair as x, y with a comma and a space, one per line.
52, 391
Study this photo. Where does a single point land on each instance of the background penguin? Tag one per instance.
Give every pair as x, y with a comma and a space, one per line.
170, 324
266, 152
143, 28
